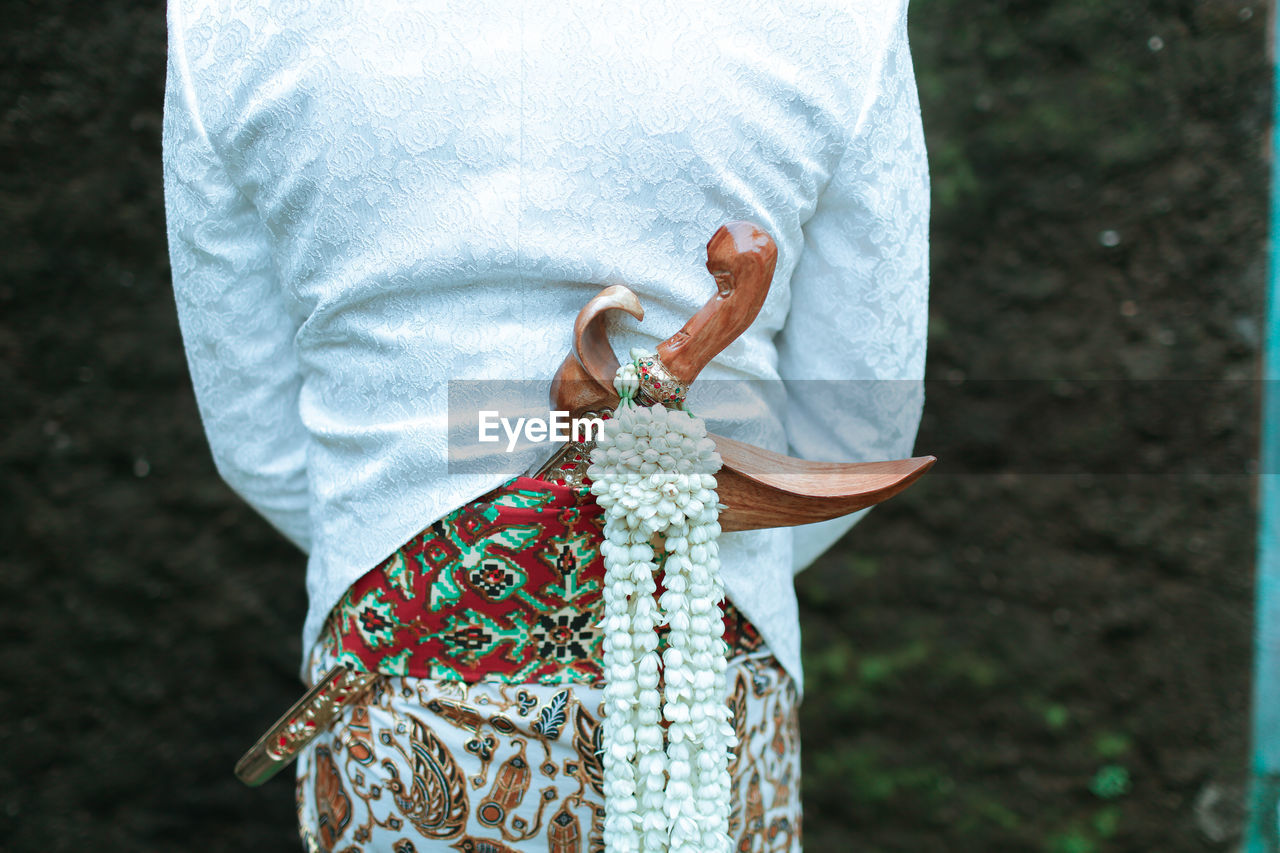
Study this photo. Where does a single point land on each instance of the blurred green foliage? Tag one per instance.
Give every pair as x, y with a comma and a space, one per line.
991, 663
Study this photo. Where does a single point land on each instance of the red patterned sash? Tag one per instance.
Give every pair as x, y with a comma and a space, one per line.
508, 588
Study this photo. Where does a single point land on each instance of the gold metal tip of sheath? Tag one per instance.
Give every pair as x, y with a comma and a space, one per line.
314, 713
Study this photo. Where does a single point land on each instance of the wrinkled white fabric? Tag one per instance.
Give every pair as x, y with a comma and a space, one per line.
367, 200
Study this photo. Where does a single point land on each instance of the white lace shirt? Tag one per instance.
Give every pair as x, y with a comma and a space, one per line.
368, 200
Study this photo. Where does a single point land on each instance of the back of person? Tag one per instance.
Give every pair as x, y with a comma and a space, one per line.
369, 200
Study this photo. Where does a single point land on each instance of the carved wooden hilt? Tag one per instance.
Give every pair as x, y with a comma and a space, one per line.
741, 258
759, 488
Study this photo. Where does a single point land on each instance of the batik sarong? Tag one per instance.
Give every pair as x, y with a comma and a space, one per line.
486, 734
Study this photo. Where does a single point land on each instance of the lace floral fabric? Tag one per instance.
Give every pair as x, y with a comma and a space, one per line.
369, 201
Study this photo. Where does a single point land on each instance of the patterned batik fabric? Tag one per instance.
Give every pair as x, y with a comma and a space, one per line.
485, 735
506, 588
428, 765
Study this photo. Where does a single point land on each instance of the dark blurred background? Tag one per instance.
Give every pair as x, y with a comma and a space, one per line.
1020, 653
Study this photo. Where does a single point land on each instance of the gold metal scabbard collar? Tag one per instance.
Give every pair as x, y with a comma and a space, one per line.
314, 713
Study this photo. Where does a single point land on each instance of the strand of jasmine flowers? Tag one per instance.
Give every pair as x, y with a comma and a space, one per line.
619, 695
653, 472
628, 607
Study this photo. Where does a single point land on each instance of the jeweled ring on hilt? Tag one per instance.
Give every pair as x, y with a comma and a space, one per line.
657, 384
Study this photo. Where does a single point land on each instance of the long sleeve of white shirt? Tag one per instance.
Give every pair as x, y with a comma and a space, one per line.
237, 330
369, 203
861, 288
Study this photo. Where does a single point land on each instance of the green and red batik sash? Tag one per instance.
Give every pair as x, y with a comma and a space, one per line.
508, 588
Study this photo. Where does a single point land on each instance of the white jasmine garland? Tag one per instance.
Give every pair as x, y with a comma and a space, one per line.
653, 473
